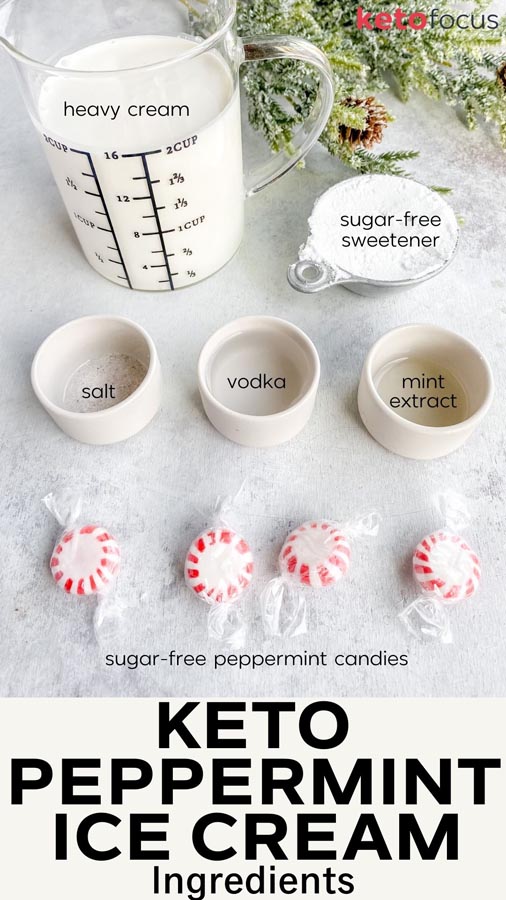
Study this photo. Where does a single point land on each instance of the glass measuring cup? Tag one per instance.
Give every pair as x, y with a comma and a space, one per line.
138, 110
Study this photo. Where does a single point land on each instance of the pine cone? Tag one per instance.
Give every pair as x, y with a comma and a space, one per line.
501, 75
376, 122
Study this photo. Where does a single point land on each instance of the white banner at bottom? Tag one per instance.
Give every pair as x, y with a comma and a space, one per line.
203, 799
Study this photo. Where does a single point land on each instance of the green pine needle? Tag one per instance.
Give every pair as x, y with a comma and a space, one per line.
457, 66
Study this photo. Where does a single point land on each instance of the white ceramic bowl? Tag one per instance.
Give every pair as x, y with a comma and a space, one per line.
92, 337
453, 353
258, 378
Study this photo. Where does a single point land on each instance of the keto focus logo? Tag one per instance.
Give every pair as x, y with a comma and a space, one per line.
417, 21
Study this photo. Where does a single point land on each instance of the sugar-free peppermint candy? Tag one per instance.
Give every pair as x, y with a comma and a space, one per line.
85, 560
316, 554
443, 563
219, 565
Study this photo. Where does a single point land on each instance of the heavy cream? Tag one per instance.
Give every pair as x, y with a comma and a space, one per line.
148, 161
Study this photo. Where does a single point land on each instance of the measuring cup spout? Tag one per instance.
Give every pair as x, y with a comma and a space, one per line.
5, 9
14, 32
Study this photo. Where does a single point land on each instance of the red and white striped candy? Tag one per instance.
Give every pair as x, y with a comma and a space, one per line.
445, 564
219, 565
316, 554
86, 560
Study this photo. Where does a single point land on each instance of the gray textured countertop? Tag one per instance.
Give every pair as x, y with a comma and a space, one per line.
156, 491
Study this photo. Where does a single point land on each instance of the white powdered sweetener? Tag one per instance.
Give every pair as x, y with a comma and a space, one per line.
381, 227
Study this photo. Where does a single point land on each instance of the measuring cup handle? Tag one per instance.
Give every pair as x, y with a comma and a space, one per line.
309, 276
261, 47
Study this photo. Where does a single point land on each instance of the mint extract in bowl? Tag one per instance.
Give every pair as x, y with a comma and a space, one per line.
424, 390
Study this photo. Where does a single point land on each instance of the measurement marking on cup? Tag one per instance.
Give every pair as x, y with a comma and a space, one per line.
145, 153
167, 231
159, 231
157, 220
93, 174
143, 178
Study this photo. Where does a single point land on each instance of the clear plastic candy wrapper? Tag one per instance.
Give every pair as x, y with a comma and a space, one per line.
218, 569
315, 555
86, 558
447, 571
